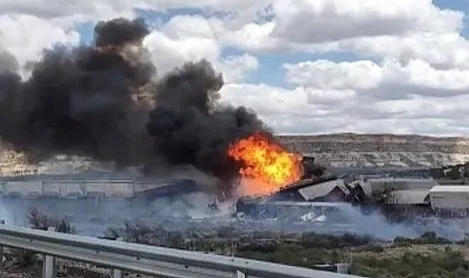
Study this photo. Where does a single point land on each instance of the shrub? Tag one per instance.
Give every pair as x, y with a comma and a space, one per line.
312, 240
25, 259
39, 220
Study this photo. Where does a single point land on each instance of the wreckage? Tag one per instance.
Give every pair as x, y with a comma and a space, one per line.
327, 192
316, 189
398, 197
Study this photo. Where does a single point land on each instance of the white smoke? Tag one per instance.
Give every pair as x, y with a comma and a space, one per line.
5, 214
90, 217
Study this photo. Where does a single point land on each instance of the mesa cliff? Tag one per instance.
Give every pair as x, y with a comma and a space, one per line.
380, 150
332, 150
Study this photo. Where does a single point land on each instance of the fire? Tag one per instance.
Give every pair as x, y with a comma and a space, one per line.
266, 165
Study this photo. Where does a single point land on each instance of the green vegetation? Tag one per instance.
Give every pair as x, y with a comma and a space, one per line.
39, 220
429, 261
22, 260
428, 256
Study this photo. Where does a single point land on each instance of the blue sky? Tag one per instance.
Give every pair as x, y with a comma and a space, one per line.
312, 66
460, 5
271, 65
271, 69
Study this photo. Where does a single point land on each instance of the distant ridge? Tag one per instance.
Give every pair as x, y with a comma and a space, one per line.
372, 135
333, 150
380, 150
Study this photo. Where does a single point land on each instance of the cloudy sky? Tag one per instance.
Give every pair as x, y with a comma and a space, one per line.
305, 66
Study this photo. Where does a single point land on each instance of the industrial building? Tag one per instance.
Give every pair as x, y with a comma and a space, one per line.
408, 194
450, 199
373, 184
95, 188
409, 197
325, 189
405, 195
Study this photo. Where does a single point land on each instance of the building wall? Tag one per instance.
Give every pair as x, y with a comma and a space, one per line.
382, 184
322, 189
68, 189
449, 200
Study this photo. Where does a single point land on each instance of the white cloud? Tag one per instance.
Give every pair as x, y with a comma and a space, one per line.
408, 126
254, 37
188, 26
267, 100
25, 36
448, 50
369, 28
310, 21
387, 80
418, 107
169, 53
308, 24
237, 68
292, 111
65, 13
189, 38
415, 81
182, 39
324, 74
236, 13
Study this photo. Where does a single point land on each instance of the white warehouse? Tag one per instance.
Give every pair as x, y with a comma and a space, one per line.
450, 197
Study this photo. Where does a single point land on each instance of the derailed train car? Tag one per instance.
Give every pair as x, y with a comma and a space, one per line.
294, 212
399, 198
329, 191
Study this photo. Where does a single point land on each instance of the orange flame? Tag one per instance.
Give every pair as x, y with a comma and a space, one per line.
266, 165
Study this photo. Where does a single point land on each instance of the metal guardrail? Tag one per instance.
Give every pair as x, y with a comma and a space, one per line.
144, 259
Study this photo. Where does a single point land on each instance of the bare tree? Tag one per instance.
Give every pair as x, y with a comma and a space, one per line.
39, 220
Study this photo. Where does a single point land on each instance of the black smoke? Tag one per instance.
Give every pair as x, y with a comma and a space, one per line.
94, 101
120, 31
79, 100
189, 128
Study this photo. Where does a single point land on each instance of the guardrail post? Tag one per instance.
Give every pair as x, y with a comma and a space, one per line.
116, 273
48, 267
2, 222
1, 259
48, 263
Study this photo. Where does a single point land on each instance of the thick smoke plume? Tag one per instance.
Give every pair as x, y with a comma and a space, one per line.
186, 125
103, 101
188, 213
79, 100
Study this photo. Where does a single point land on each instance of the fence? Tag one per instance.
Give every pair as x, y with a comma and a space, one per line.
144, 259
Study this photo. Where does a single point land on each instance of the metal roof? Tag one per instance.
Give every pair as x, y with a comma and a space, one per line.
310, 204
409, 197
450, 188
401, 179
322, 189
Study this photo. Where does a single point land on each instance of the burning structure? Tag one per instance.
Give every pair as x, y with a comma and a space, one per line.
328, 189
264, 165
278, 180
400, 198
106, 101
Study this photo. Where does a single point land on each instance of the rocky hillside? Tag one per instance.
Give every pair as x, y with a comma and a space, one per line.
336, 150
381, 150
14, 162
